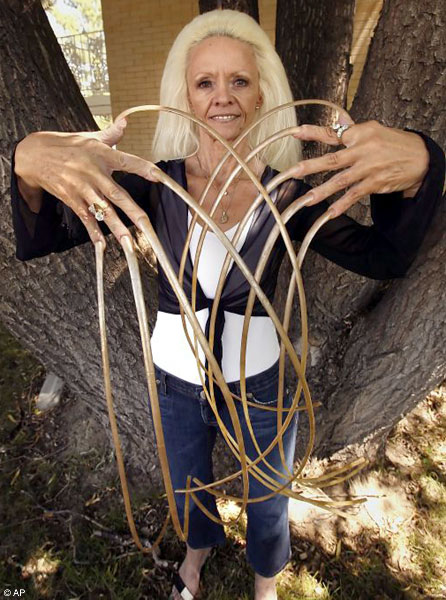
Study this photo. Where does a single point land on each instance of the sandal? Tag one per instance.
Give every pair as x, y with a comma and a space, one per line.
181, 588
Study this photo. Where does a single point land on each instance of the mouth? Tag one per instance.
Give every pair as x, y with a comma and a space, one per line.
224, 118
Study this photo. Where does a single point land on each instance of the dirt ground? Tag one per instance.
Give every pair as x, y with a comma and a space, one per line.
63, 532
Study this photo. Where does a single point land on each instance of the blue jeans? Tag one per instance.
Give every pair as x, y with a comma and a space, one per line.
190, 430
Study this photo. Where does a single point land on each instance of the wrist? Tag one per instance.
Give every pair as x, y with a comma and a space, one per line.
22, 162
422, 164
33, 196
412, 191
29, 189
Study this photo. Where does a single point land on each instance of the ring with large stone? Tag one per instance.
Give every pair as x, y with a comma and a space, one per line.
340, 129
98, 210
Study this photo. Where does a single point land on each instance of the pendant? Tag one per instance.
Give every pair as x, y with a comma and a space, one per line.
224, 217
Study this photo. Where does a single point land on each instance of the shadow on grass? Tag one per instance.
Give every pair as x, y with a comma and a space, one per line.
349, 577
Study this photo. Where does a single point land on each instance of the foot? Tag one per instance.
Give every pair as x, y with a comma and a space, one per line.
190, 570
265, 588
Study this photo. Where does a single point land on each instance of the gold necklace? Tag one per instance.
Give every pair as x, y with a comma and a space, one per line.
224, 217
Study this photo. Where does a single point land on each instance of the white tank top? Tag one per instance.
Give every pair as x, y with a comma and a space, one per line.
171, 350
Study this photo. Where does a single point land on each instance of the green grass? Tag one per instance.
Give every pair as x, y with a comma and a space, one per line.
55, 502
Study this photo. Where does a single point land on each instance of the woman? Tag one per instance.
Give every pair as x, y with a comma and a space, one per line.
223, 69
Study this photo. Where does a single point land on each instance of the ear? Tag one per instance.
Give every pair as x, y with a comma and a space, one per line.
259, 102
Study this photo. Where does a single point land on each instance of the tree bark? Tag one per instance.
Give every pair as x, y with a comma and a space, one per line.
395, 351
313, 39
250, 7
368, 365
50, 303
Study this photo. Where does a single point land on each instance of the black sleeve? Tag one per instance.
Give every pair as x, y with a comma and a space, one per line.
387, 248
56, 228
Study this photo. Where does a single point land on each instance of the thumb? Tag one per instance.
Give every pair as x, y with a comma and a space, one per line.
113, 133
344, 118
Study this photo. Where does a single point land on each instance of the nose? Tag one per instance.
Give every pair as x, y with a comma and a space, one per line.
223, 96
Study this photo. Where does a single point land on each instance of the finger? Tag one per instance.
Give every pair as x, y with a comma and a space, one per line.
113, 222
332, 161
344, 118
315, 133
109, 136
119, 196
352, 196
326, 135
121, 161
90, 223
338, 182
112, 135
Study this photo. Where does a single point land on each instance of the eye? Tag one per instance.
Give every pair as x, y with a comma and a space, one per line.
241, 82
205, 83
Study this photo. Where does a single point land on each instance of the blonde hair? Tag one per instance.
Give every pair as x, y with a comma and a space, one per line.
177, 137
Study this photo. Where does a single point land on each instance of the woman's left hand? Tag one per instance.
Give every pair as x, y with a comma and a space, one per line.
376, 160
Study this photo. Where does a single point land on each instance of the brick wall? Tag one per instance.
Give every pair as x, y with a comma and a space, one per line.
139, 33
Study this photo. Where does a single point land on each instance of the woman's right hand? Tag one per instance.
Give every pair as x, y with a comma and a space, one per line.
77, 168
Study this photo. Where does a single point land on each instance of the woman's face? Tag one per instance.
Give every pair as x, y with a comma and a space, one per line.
223, 84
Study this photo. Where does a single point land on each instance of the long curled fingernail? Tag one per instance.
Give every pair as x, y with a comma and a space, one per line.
308, 198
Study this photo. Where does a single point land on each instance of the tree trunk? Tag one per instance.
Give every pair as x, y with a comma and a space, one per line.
50, 303
313, 39
248, 6
383, 323
400, 341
